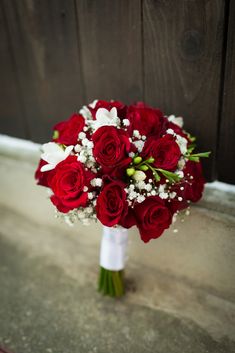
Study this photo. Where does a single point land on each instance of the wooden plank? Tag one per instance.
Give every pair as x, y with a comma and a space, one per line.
183, 43
11, 109
110, 33
226, 148
45, 47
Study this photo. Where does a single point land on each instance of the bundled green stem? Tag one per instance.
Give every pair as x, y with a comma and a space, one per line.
111, 282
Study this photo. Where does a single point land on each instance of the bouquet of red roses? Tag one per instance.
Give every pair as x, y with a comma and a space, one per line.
124, 166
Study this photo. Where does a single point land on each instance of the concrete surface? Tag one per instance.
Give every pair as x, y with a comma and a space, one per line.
181, 288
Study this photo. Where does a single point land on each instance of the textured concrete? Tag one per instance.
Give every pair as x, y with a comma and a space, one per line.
181, 288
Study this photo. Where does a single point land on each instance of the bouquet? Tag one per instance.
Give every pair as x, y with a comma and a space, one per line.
124, 166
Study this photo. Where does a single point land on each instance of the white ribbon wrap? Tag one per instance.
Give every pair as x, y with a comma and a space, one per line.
113, 248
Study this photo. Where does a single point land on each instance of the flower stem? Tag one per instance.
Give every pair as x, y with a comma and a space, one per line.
111, 282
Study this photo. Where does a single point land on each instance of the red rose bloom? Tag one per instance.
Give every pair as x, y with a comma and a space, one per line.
194, 186
42, 177
111, 204
121, 108
67, 184
111, 147
146, 120
165, 151
152, 218
69, 129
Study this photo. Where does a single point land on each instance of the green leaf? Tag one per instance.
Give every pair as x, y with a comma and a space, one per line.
192, 138
191, 148
156, 176
202, 154
172, 177
193, 158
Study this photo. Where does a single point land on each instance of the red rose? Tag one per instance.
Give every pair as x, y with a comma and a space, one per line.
67, 184
111, 204
195, 181
190, 189
111, 147
165, 151
121, 108
42, 177
152, 218
68, 130
146, 120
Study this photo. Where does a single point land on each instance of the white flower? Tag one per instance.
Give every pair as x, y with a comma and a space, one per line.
105, 117
139, 175
53, 154
96, 182
176, 120
90, 195
163, 195
93, 104
132, 195
82, 158
170, 131
139, 145
161, 188
85, 112
136, 134
173, 195
140, 198
126, 122
81, 135
140, 185
180, 173
148, 187
181, 163
182, 143
77, 148
85, 141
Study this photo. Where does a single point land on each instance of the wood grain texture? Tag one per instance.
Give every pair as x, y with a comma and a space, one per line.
183, 43
44, 37
110, 33
11, 110
226, 147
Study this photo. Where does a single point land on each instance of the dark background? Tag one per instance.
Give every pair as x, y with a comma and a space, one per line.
56, 55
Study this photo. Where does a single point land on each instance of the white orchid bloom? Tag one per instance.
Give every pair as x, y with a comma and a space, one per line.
105, 117
176, 120
53, 154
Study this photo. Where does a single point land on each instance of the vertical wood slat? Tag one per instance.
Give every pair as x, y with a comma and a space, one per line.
44, 37
11, 109
182, 64
110, 33
226, 147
